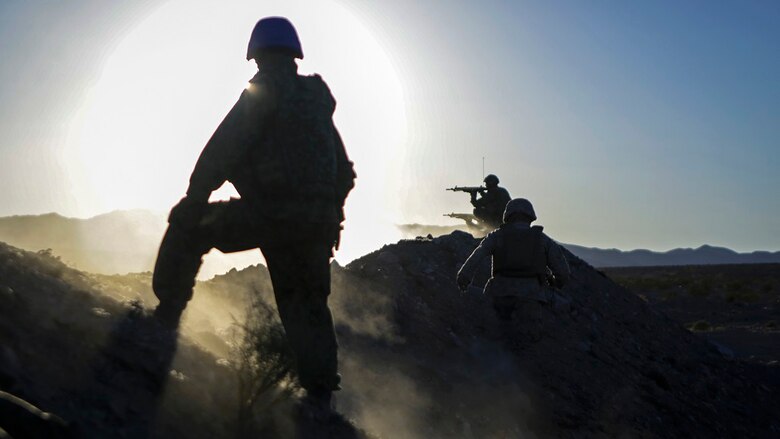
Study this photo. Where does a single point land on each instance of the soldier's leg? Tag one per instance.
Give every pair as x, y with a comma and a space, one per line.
224, 225
529, 315
178, 262
479, 213
301, 279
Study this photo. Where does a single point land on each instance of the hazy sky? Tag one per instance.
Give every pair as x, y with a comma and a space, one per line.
627, 124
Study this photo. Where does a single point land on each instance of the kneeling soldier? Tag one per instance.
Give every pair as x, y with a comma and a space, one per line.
521, 256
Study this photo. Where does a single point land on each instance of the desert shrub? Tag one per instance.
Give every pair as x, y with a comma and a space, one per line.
669, 295
742, 296
682, 282
264, 366
735, 286
643, 283
772, 324
701, 288
700, 325
47, 254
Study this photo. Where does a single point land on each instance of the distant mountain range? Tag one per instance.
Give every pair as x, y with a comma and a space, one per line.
127, 242
124, 241
704, 255
116, 242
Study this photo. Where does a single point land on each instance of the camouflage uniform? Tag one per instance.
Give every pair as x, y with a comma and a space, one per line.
521, 256
279, 148
490, 206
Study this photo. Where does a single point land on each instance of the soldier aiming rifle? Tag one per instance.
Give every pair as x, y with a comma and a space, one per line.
488, 208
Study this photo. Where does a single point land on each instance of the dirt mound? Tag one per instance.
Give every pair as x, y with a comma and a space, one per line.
419, 358
70, 348
608, 366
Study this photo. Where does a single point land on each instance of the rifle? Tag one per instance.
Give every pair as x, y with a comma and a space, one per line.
470, 189
470, 219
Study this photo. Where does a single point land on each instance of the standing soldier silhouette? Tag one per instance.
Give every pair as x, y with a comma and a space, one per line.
280, 150
521, 255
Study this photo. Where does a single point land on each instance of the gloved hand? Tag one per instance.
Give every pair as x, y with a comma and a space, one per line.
188, 213
463, 283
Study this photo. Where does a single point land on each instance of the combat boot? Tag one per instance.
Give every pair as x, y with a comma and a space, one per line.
318, 404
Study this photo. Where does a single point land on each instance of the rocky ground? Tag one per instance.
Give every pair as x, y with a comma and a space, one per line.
419, 358
737, 307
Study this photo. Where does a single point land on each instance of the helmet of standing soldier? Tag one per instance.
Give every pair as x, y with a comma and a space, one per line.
491, 180
274, 34
519, 207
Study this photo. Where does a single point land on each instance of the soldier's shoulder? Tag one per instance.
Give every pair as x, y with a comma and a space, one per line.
540, 230
259, 80
315, 82
318, 87
315, 78
495, 234
260, 87
549, 242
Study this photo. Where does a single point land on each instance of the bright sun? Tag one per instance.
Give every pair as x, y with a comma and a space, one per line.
175, 75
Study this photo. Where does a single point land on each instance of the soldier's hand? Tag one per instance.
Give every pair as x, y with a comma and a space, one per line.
188, 212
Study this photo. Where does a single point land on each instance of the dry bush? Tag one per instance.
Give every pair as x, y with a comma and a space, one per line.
742, 295
700, 288
700, 326
264, 366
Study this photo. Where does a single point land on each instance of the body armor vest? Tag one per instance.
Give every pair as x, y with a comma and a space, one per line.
292, 162
520, 253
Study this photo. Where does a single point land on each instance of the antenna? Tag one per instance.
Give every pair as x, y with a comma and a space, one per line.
483, 167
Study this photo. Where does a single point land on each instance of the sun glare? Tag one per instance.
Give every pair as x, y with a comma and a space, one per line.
172, 78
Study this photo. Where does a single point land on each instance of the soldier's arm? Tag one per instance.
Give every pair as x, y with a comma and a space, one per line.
227, 146
477, 202
469, 268
505, 197
556, 261
345, 170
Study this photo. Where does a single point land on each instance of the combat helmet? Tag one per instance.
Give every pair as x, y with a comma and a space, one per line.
519, 206
274, 33
491, 179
